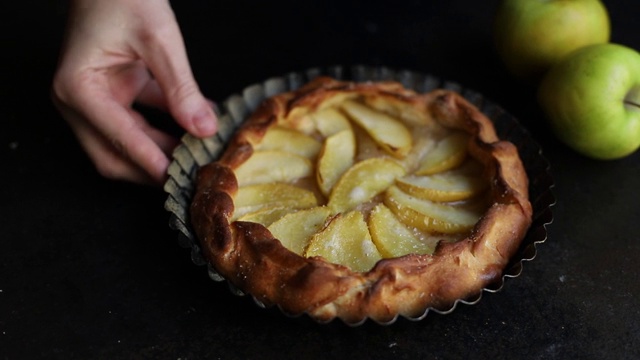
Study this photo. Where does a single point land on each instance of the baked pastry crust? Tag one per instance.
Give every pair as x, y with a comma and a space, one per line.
249, 256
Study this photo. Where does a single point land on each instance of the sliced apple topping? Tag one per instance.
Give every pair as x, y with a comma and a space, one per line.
296, 229
252, 198
443, 187
409, 113
330, 121
273, 166
362, 182
390, 133
448, 153
335, 158
289, 140
266, 216
392, 237
345, 241
470, 167
428, 215
361, 173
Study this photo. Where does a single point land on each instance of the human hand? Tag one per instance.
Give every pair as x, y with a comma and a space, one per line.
117, 53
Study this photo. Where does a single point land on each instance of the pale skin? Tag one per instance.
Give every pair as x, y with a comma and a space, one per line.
117, 53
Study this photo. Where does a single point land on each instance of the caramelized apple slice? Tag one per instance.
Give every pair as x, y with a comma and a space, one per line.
294, 230
362, 182
292, 141
448, 153
345, 241
428, 215
442, 187
470, 167
330, 121
390, 133
392, 237
335, 158
266, 216
409, 113
252, 198
273, 166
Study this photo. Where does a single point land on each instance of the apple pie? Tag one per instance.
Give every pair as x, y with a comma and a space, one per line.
362, 200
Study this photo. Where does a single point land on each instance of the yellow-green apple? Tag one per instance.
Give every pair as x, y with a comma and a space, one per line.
592, 100
532, 35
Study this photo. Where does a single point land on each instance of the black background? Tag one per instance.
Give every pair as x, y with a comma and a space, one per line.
90, 269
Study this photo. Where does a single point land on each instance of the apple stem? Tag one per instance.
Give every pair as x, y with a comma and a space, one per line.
631, 103
632, 99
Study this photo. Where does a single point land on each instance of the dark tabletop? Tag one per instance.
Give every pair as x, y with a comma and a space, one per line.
89, 267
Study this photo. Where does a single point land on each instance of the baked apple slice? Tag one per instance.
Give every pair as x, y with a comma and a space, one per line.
256, 197
428, 215
271, 166
266, 216
391, 134
443, 187
330, 121
392, 237
336, 157
345, 241
289, 140
447, 154
294, 230
362, 182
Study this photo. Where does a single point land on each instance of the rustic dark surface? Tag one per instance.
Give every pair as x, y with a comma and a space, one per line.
89, 268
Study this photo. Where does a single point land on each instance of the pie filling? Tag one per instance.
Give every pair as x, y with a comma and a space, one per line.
354, 184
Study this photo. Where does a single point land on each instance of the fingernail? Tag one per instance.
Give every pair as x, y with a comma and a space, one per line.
205, 122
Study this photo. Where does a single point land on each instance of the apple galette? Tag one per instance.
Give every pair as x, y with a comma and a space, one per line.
362, 200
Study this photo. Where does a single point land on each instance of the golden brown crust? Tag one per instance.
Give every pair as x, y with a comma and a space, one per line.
248, 256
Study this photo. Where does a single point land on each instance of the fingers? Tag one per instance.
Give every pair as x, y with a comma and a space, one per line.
164, 53
109, 162
115, 158
112, 46
118, 140
152, 95
164, 141
128, 136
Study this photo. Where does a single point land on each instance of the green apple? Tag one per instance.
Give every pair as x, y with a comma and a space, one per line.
532, 35
592, 100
